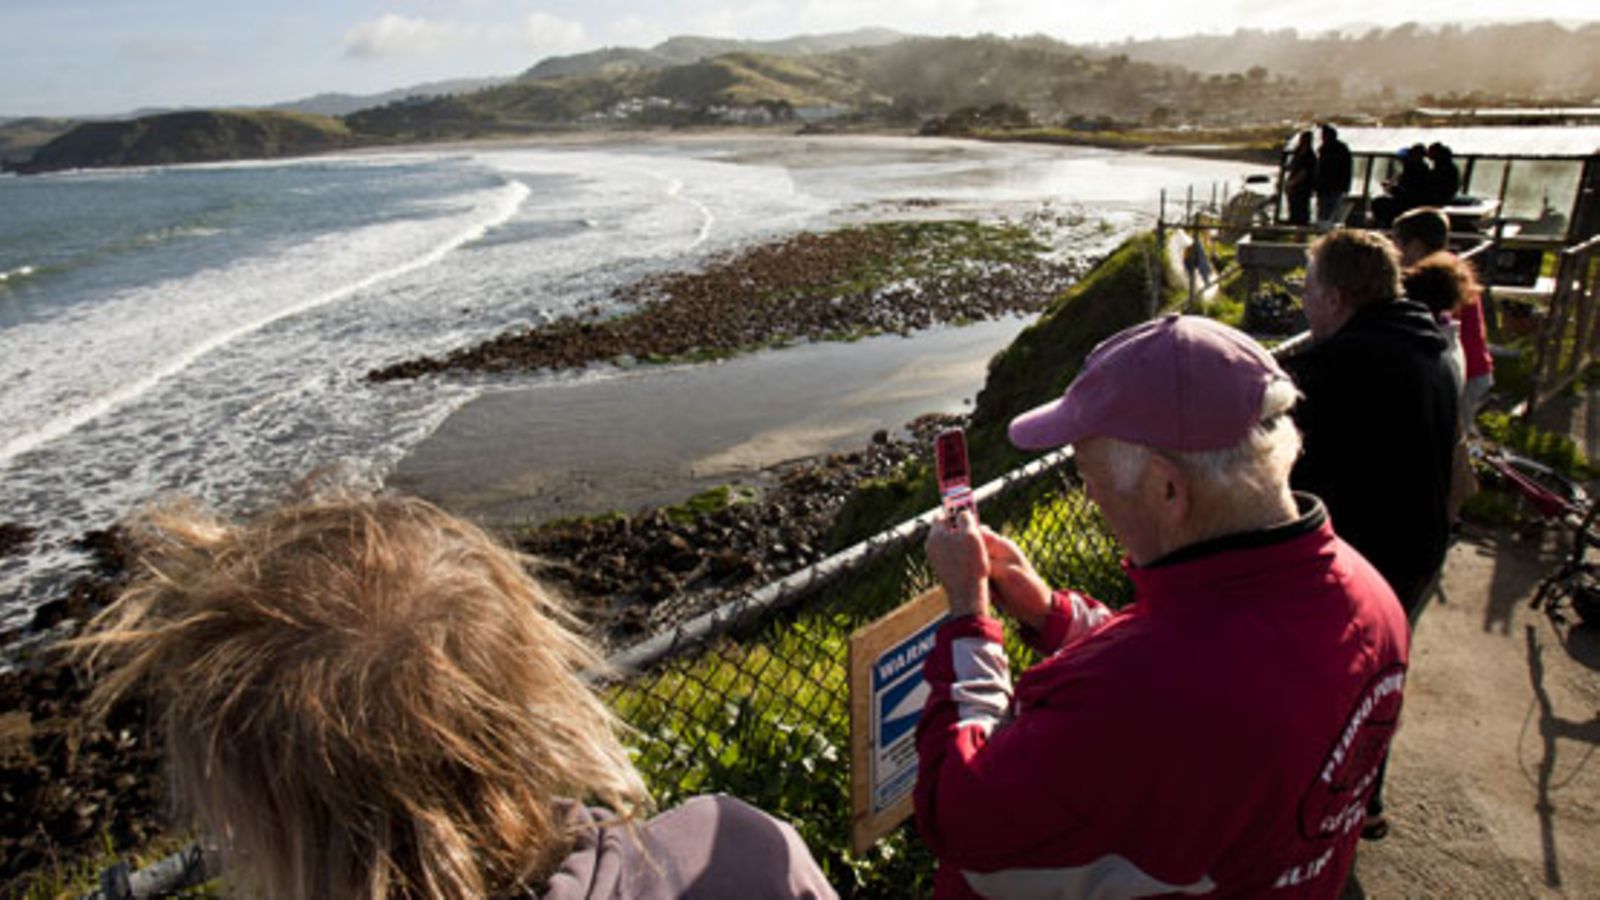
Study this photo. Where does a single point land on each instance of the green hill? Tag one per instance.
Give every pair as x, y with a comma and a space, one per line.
681, 94
685, 49
747, 79
184, 137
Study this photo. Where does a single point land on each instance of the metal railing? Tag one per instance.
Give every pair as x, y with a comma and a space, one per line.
752, 699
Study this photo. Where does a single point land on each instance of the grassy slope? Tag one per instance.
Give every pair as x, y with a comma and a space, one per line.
1034, 369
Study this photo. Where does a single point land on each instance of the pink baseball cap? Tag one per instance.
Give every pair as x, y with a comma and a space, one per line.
1183, 383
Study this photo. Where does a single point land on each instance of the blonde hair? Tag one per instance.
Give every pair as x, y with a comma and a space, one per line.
363, 696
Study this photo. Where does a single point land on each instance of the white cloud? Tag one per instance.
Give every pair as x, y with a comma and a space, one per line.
633, 31
542, 31
392, 35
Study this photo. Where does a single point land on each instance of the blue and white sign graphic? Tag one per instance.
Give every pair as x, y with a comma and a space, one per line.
898, 694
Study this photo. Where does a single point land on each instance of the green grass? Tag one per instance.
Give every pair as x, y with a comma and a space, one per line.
713, 501
1556, 450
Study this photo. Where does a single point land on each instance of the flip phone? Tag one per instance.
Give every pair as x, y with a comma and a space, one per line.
955, 477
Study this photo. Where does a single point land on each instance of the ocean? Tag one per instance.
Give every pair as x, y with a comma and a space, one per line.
205, 329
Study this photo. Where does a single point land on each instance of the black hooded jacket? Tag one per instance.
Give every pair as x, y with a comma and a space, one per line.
1380, 422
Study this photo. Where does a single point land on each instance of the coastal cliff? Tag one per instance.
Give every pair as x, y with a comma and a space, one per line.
187, 137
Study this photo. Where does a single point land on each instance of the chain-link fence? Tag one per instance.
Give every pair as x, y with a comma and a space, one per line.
753, 698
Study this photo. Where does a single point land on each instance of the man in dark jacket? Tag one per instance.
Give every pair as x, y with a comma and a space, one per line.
1334, 169
1379, 416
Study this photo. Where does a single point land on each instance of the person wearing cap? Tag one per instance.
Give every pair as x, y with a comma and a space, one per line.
1217, 735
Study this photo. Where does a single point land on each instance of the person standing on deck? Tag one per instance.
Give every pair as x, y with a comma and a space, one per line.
1300, 181
1421, 233
1334, 170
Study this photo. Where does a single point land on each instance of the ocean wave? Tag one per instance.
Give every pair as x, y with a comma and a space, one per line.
89, 405
15, 275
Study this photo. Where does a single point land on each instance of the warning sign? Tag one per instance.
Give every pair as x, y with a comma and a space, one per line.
898, 694
887, 693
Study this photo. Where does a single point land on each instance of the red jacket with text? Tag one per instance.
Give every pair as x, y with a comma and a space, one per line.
1217, 736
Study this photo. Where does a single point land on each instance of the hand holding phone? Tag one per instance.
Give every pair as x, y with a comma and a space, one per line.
954, 474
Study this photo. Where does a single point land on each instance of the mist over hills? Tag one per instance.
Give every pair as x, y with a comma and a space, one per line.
1524, 59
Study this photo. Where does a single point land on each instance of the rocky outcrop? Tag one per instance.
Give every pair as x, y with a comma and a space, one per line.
896, 277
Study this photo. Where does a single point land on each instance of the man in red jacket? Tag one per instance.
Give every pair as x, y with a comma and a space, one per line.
1220, 734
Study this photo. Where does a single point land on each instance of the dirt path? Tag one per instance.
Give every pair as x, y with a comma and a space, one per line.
1494, 783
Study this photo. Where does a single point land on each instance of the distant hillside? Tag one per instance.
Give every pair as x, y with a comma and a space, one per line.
1056, 83
189, 137
1052, 80
683, 94
691, 49
1522, 61
336, 104
607, 61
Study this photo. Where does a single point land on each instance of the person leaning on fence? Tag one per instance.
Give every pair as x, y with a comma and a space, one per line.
363, 696
1425, 234
1219, 734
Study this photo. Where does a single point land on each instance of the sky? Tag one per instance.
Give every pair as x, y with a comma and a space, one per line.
107, 57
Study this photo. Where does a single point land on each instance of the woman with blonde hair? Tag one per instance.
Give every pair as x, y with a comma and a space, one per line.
363, 696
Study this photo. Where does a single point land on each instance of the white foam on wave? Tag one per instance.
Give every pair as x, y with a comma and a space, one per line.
102, 323
17, 273
713, 202
707, 217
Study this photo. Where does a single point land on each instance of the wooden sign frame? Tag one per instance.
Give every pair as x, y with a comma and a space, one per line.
867, 644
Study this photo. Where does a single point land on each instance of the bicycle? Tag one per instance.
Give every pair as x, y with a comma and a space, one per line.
1557, 499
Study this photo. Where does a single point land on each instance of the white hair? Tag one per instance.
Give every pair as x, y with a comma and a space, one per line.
1257, 465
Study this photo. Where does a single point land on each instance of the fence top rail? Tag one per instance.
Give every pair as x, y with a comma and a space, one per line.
1588, 246
778, 594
